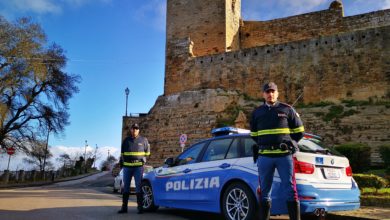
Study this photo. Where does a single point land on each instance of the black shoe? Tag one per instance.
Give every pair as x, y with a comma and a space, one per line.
140, 202
294, 210
265, 210
125, 200
123, 210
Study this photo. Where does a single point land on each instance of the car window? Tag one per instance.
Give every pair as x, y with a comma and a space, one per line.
190, 155
315, 146
217, 150
233, 150
248, 143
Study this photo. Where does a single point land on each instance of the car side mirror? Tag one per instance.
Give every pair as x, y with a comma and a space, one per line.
170, 161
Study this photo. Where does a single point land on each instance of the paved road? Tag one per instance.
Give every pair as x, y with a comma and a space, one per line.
92, 198
87, 198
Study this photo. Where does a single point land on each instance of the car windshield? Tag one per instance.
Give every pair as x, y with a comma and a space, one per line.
315, 146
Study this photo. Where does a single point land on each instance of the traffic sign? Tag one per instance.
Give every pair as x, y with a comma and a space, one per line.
10, 150
183, 138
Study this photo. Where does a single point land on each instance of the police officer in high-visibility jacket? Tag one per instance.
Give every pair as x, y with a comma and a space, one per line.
135, 149
276, 128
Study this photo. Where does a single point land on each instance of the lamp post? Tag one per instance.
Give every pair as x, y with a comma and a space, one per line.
85, 155
127, 91
94, 158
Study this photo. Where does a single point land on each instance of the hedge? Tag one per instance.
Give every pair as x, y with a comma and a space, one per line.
358, 155
384, 151
369, 181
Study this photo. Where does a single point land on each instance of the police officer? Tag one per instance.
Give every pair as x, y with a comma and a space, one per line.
134, 150
276, 128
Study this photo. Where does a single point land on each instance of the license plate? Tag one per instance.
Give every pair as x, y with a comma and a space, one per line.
331, 173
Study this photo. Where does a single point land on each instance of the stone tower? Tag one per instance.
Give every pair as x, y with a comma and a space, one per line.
212, 26
197, 28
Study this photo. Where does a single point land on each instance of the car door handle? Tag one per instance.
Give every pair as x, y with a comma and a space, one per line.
224, 165
187, 170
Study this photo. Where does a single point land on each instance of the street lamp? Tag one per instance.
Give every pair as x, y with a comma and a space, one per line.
85, 154
94, 158
127, 91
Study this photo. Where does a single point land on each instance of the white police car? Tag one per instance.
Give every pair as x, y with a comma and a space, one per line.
218, 175
118, 180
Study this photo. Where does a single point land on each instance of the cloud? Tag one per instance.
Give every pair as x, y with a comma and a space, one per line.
14, 8
16, 162
383, 4
152, 13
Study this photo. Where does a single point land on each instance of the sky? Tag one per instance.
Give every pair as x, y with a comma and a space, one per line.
115, 44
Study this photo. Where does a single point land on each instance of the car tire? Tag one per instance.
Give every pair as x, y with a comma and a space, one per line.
115, 190
245, 209
147, 191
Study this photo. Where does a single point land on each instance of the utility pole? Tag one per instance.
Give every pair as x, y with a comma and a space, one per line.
45, 153
94, 157
85, 155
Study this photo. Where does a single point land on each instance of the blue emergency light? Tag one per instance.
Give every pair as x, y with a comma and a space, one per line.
228, 131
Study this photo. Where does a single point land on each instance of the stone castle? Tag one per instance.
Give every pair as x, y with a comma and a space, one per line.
335, 69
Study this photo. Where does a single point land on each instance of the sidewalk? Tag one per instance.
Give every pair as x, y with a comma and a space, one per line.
364, 213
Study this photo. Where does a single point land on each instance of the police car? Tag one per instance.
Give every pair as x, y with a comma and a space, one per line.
219, 175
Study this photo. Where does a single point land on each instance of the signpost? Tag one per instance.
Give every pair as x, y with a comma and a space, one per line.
10, 152
182, 141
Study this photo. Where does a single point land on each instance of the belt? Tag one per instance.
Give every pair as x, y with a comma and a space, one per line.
274, 149
133, 163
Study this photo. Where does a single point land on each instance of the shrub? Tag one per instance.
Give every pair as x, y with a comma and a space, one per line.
335, 111
358, 155
384, 151
369, 181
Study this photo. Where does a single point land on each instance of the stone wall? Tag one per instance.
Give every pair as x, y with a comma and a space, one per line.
351, 65
195, 113
307, 26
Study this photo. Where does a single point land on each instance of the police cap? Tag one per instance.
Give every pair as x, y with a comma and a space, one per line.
270, 86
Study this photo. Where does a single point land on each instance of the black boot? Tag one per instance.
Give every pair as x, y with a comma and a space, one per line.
125, 200
265, 210
294, 210
140, 203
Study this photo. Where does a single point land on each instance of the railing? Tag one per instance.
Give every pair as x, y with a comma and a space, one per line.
21, 176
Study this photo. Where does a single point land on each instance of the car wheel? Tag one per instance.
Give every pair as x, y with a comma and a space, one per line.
239, 203
148, 203
115, 190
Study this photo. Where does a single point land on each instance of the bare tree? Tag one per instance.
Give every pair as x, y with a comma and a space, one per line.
34, 90
36, 152
108, 163
65, 160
